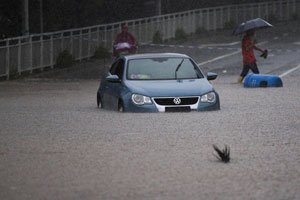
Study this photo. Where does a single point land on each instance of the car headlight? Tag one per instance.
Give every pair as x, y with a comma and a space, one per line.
140, 99
208, 98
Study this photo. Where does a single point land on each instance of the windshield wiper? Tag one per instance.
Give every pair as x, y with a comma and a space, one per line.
178, 66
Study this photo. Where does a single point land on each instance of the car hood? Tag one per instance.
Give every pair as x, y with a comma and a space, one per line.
164, 88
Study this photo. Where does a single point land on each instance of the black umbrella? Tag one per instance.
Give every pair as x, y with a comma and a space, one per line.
251, 24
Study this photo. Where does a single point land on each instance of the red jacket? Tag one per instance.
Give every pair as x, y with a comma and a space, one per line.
248, 56
125, 37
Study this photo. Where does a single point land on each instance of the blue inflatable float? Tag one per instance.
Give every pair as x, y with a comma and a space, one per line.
262, 80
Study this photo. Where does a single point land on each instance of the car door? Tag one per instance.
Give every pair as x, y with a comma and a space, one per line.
113, 89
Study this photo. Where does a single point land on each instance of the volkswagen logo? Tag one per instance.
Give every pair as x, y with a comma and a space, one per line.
177, 100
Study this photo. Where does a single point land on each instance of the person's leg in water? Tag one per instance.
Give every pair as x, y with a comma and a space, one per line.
252, 66
243, 74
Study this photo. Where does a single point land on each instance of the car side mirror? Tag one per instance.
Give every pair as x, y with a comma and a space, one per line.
113, 79
211, 76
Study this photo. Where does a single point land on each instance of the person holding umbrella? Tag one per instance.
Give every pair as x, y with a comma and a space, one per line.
249, 60
249, 45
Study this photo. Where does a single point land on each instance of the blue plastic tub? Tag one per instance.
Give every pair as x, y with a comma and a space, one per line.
262, 80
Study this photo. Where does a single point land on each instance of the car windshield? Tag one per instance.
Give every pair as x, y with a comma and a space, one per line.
162, 69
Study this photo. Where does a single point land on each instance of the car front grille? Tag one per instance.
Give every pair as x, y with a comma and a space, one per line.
170, 101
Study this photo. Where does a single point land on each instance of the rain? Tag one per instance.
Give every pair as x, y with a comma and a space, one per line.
149, 99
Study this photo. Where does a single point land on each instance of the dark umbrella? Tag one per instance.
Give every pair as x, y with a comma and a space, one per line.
251, 24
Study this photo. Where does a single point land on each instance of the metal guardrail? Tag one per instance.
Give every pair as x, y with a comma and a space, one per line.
38, 51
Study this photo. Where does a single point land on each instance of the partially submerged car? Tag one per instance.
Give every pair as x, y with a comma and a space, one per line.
160, 82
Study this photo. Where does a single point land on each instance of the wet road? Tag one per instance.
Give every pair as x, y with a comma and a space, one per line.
55, 143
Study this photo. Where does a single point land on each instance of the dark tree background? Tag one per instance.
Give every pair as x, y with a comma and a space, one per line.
67, 14
10, 18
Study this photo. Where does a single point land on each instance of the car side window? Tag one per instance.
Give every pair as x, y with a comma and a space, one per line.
117, 68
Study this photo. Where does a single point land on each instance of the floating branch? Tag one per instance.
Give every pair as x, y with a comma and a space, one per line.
223, 155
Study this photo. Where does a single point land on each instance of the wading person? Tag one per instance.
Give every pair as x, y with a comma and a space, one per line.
125, 42
249, 60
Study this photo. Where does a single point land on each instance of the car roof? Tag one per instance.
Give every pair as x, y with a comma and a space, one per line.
155, 55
